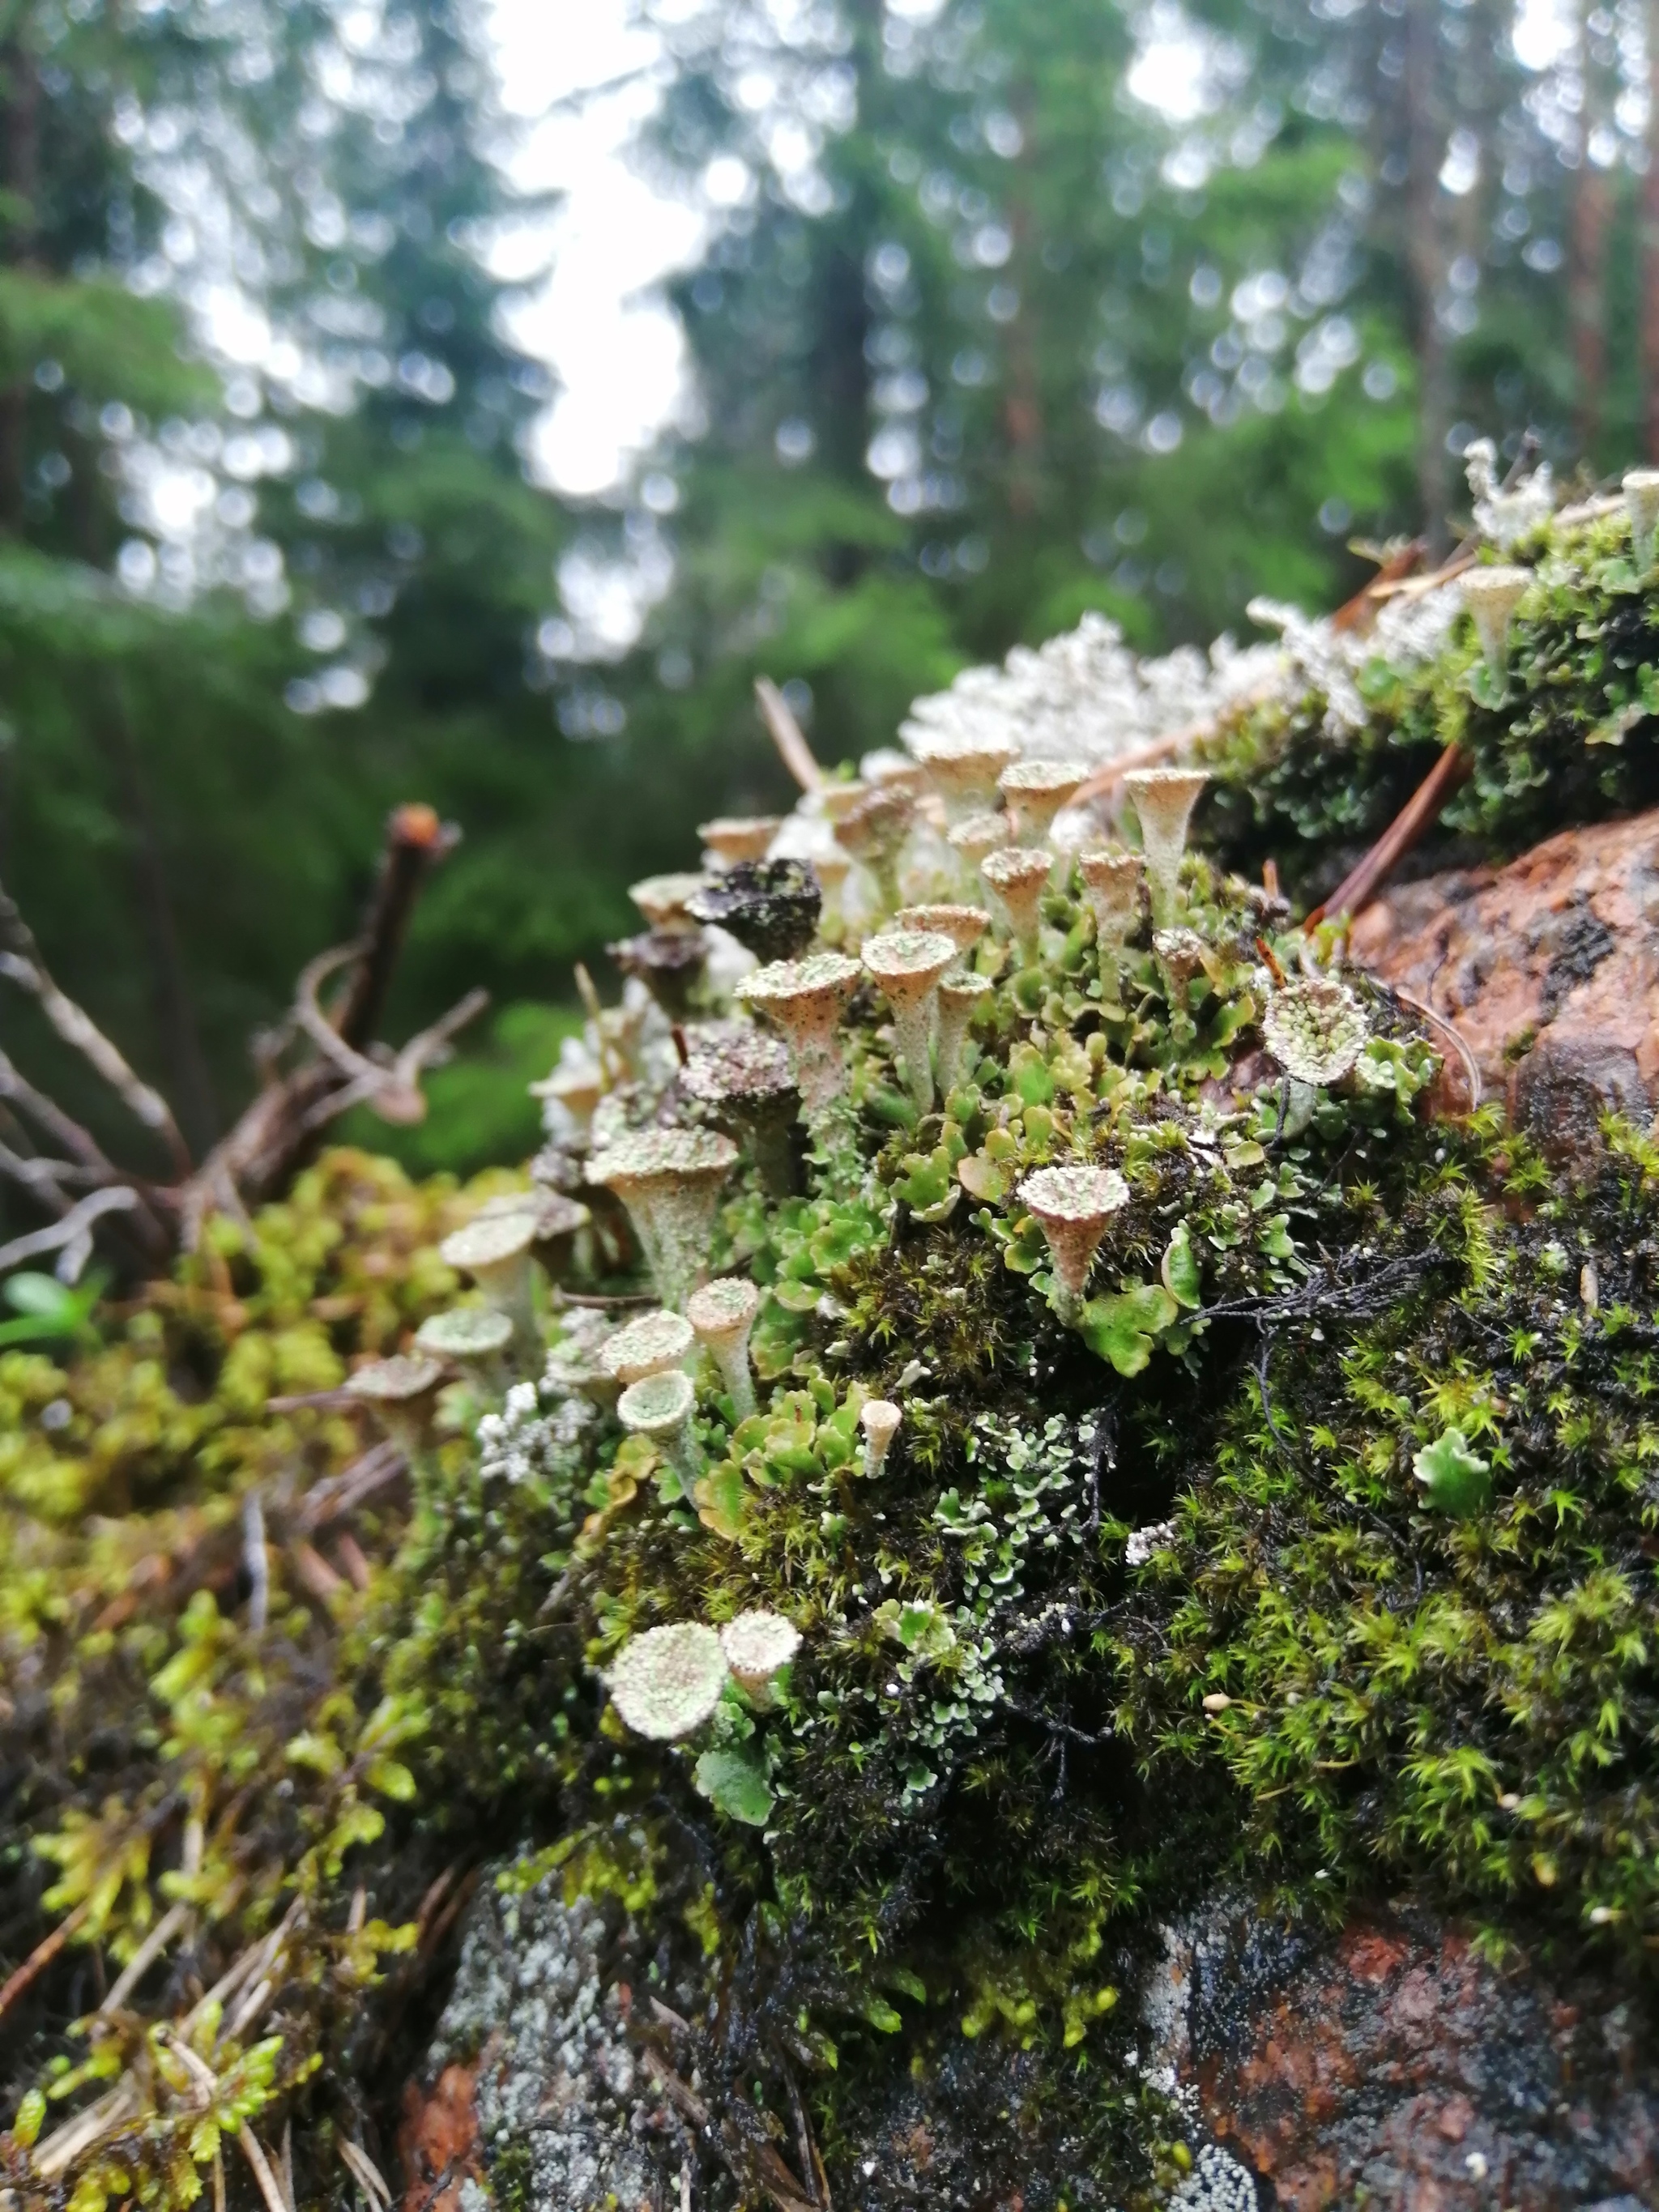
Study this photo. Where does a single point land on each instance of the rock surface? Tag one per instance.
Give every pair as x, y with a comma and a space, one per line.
1391, 2065
534, 2039
1549, 968
1388, 2064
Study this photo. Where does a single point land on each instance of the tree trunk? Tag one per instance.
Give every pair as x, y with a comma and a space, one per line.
1592, 211
1649, 271
1587, 264
1426, 255
19, 177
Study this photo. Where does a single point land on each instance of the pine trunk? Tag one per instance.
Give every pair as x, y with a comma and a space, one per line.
1427, 262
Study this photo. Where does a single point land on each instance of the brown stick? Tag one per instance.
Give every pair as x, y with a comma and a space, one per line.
415, 840
1419, 813
48, 1115
40, 1957
20, 964
786, 734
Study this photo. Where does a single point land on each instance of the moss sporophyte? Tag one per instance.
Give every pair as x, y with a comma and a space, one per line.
999, 1423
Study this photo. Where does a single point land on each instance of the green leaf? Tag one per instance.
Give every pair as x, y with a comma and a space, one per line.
43, 1296
736, 1785
31, 2114
319, 1751
720, 1497
1179, 1268
918, 1625
1455, 1480
48, 1309
1121, 1330
391, 1778
1029, 1073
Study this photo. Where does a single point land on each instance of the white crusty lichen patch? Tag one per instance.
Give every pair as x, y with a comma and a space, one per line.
1218, 2183
564, 2111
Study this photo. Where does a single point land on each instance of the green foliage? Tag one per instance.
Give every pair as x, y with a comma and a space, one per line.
1570, 739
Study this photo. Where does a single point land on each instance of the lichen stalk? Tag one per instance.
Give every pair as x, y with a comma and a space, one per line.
806, 998
1492, 596
1073, 1206
659, 1407
723, 1313
959, 998
1018, 877
670, 1181
1164, 799
907, 964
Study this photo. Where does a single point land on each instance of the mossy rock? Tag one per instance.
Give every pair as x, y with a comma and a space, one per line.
1305, 1552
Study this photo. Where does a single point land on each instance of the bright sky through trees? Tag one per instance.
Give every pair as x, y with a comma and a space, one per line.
592, 311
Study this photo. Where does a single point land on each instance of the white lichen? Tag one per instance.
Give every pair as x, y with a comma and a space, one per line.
666, 1683
647, 1345
670, 1181
1315, 1029
758, 1647
907, 964
722, 1313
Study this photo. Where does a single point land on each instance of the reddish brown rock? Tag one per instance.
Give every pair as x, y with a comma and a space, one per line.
1392, 2065
1549, 968
439, 2141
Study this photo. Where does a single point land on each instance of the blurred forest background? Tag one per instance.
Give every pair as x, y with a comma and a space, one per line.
1003, 310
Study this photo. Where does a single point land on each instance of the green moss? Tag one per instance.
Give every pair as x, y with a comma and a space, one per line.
1316, 1536
1570, 736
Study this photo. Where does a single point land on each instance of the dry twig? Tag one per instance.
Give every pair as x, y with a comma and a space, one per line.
786, 734
341, 1066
